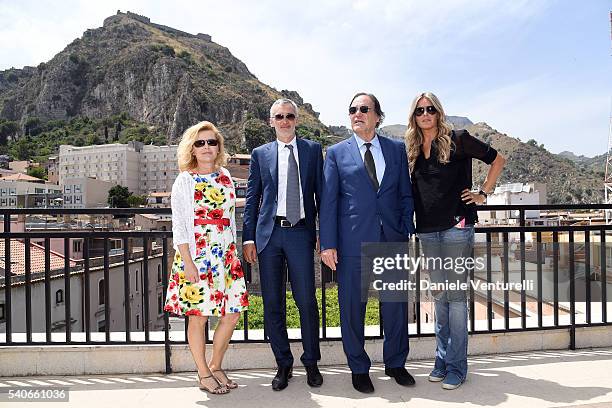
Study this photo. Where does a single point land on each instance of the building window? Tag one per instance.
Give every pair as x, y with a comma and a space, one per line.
77, 246
59, 297
160, 304
137, 288
101, 298
159, 274
101, 326
2, 316
137, 322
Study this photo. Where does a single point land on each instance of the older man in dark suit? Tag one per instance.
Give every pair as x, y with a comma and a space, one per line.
367, 197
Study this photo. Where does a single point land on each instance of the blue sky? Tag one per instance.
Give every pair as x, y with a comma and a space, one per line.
531, 69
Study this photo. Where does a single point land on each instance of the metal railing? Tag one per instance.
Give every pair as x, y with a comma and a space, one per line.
327, 278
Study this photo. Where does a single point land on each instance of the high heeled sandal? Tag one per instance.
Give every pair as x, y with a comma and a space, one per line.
220, 389
230, 384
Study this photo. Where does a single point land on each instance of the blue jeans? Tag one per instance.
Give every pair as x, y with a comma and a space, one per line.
450, 306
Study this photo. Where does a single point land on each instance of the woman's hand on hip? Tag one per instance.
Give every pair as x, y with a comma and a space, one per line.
472, 198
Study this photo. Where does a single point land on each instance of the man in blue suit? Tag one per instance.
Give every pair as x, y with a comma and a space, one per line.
282, 202
367, 197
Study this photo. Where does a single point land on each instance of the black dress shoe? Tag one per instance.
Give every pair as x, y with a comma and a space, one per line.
313, 375
281, 379
362, 383
402, 377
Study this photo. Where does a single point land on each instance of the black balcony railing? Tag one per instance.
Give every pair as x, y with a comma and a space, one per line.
560, 310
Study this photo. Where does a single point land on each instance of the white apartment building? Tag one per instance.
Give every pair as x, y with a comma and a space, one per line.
15, 194
85, 192
158, 168
141, 168
513, 194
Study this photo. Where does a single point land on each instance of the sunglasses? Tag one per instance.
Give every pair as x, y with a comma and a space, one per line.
203, 142
289, 116
421, 110
362, 109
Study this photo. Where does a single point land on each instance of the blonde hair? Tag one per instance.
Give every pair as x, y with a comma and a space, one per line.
186, 159
414, 134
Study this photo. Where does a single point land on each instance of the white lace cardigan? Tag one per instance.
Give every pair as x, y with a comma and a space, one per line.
183, 214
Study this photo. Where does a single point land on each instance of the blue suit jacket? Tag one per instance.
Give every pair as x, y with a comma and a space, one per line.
262, 190
351, 211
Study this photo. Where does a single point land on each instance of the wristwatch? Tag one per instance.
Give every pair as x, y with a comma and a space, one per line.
482, 193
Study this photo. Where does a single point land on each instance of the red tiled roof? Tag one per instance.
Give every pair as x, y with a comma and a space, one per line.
37, 258
20, 177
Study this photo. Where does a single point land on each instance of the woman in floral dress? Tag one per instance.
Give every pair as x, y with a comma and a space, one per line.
207, 278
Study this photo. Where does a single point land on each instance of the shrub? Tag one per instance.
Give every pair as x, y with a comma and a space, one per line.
255, 315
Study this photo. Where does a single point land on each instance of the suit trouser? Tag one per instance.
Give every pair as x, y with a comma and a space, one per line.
352, 317
295, 246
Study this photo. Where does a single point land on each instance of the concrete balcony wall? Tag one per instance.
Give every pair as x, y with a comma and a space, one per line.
75, 360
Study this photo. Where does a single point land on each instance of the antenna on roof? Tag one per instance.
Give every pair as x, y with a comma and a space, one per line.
608, 174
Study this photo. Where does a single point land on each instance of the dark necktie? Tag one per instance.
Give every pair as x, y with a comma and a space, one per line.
370, 166
292, 199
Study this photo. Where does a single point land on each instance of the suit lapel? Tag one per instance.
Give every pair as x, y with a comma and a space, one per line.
304, 159
354, 151
389, 164
272, 159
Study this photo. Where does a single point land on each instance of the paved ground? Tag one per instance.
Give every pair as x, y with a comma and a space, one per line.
537, 379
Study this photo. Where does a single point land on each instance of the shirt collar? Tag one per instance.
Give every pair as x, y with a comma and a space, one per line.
360, 142
293, 142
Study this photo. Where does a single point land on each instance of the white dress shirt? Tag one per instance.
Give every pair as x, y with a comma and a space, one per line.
379, 159
283, 165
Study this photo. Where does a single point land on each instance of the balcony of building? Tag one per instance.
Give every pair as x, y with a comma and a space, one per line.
545, 346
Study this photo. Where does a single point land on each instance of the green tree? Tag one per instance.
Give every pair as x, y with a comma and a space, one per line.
8, 128
256, 133
93, 139
118, 197
22, 149
33, 126
38, 172
136, 200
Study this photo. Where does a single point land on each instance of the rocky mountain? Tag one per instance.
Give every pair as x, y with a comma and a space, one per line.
156, 75
596, 163
567, 180
459, 122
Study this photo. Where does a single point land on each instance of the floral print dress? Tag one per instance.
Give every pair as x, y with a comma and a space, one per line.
222, 287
